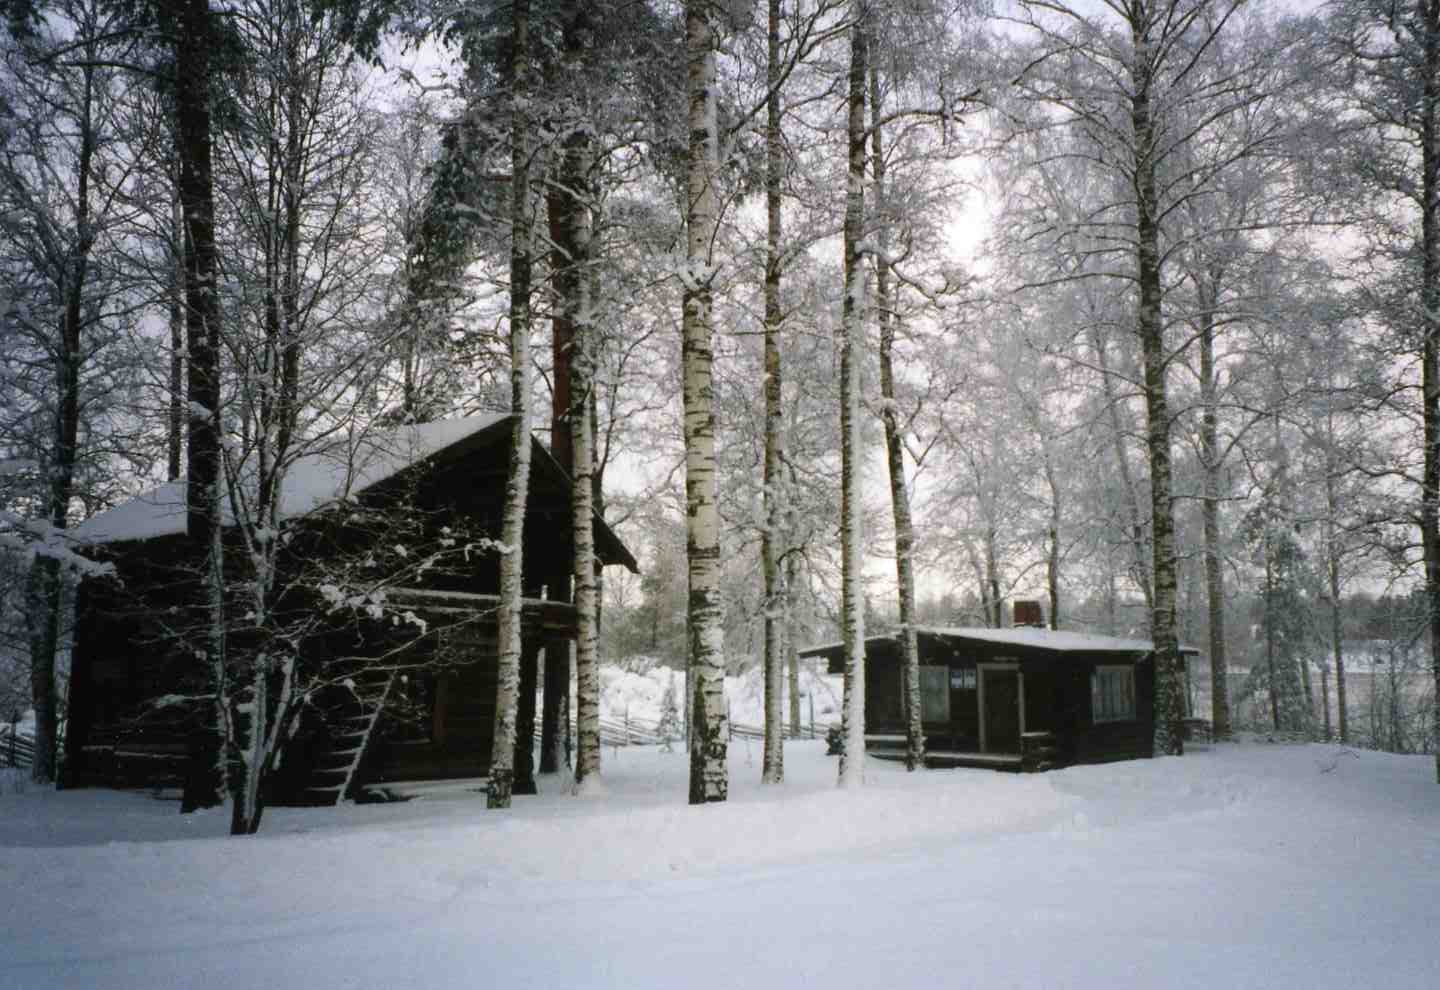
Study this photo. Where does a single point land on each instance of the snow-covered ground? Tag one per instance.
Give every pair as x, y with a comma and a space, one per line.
1241, 866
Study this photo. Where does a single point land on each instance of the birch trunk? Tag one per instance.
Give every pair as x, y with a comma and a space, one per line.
708, 776
776, 610
1136, 538
1271, 672
1052, 536
1429, 14
1169, 702
792, 648
895, 453
587, 658
1210, 465
1306, 709
996, 616
582, 495
1332, 576
852, 614
563, 211
517, 484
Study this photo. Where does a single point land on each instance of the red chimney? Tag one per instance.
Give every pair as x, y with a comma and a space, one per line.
1028, 613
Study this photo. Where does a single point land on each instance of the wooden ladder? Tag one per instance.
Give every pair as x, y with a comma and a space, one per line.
350, 745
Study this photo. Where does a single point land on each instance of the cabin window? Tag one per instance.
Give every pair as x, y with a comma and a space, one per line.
934, 694
962, 678
412, 707
1112, 694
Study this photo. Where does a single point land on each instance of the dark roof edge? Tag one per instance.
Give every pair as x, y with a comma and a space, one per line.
619, 553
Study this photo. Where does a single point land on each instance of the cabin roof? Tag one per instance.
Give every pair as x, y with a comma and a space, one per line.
344, 467
1060, 642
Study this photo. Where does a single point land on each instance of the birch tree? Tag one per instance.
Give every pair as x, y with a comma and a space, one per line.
518, 475
709, 779
776, 595
916, 71
1128, 82
851, 347
1344, 447
582, 503
895, 450
1388, 83
569, 203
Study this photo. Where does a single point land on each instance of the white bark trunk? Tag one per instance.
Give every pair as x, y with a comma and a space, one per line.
582, 502
1210, 520
1169, 702
776, 609
708, 732
852, 616
1428, 14
517, 487
895, 457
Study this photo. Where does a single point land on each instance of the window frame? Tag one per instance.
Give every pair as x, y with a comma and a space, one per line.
937, 698
1105, 714
968, 677
415, 706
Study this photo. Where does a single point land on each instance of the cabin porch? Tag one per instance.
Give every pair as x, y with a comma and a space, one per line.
1038, 752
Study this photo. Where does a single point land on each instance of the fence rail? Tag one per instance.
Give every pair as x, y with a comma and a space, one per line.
17, 749
620, 730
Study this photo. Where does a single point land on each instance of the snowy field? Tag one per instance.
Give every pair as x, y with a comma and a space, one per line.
1240, 866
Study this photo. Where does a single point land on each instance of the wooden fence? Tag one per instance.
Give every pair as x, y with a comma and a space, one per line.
17, 748
626, 731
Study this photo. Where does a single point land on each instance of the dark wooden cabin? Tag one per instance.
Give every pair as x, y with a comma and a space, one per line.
1024, 698
424, 712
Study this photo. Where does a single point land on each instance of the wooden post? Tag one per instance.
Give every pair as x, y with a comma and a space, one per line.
557, 688
569, 724
523, 781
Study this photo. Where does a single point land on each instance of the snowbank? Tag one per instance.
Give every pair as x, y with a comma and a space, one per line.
1241, 867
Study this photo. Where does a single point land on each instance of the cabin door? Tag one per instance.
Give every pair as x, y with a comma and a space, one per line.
1002, 696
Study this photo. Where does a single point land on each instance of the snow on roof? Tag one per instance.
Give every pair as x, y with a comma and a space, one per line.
343, 468
1051, 640
1054, 640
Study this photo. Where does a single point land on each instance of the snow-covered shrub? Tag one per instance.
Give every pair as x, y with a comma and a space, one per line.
670, 728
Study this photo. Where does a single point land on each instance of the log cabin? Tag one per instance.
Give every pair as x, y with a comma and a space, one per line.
1025, 698
408, 676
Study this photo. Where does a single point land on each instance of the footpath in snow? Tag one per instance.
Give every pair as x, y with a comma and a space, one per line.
1239, 866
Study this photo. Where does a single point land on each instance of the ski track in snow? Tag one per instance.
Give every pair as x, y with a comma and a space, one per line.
1239, 866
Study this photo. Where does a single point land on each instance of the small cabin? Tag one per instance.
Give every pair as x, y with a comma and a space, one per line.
1011, 699
412, 700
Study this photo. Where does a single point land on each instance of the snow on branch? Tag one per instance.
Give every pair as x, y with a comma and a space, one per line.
38, 538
